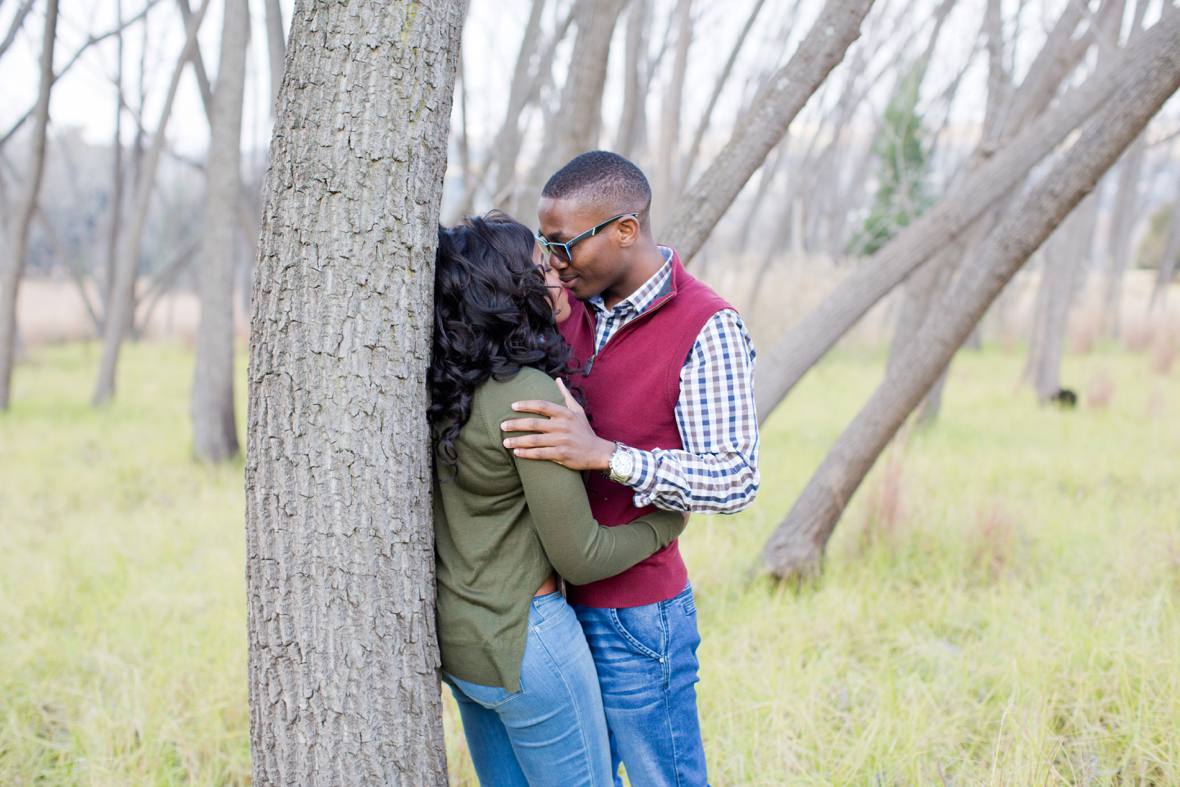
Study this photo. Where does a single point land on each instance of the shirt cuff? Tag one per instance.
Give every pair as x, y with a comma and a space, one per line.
643, 467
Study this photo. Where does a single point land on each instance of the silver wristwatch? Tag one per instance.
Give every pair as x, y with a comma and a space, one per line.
622, 465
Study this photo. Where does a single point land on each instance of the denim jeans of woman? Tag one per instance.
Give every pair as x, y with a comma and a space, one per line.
552, 731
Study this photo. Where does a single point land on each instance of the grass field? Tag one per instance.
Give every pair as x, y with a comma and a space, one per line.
1000, 604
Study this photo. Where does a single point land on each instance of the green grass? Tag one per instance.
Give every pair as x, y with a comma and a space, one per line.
1016, 623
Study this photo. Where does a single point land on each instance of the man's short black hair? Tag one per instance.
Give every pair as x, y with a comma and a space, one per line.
602, 178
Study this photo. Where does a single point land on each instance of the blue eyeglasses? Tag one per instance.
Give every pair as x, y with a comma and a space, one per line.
565, 251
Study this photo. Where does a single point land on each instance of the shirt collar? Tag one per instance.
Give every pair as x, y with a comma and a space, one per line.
648, 293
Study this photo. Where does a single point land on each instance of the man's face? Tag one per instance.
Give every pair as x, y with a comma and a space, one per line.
596, 264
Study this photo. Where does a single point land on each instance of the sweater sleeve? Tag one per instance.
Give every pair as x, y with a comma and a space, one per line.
578, 547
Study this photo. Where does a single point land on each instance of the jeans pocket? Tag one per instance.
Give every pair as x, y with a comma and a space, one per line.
644, 629
487, 696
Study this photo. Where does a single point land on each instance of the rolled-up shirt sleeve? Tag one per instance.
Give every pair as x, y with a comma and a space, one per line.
717, 470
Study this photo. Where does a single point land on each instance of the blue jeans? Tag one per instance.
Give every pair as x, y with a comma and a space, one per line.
647, 667
552, 731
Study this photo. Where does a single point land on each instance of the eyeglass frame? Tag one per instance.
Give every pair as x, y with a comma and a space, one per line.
548, 245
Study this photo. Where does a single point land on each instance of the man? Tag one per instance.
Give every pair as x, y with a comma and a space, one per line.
668, 383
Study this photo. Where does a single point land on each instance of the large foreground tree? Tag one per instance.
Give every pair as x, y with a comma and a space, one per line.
343, 661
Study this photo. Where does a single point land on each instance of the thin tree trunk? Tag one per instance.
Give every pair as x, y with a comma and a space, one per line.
18, 228
108, 281
667, 182
765, 124
276, 48
119, 316
796, 547
580, 117
198, 61
575, 125
506, 146
694, 148
1167, 268
629, 132
785, 363
1122, 228
215, 432
1058, 282
343, 657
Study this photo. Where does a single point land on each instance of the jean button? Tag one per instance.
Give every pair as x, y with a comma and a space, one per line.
661, 659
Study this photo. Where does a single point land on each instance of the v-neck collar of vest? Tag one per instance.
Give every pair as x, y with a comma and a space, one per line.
674, 280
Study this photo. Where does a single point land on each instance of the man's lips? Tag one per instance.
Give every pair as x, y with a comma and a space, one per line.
568, 282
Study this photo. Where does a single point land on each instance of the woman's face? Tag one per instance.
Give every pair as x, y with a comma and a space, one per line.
558, 296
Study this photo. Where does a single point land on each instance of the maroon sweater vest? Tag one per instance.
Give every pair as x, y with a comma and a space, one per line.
631, 392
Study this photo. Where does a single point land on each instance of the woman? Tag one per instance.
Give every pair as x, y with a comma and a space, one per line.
512, 649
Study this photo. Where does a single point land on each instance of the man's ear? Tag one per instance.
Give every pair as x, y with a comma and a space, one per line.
629, 231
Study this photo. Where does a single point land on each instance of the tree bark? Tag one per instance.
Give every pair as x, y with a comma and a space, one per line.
785, 363
215, 432
343, 658
122, 305
796, 547
18, 228
764, 125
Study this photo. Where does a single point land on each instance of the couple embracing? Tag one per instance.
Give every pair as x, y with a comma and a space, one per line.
585, 347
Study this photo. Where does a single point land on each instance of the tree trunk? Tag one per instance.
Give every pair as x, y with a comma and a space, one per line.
667, 181
18, 228
796, 547
764, 125
580, 118
121, 311
1122, 228
629, 135
276, 48
694, 148
112, 248
506, 147
785, 363
343, 658
1167, 269
1059, 281
215, 432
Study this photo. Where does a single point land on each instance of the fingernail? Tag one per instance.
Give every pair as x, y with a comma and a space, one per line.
504, 426
506, 444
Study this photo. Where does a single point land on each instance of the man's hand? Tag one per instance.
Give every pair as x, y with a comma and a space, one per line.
565, 437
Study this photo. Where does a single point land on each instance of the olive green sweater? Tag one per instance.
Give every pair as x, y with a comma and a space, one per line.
502, 524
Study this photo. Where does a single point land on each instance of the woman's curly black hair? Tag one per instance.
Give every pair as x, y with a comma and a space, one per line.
492, 316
